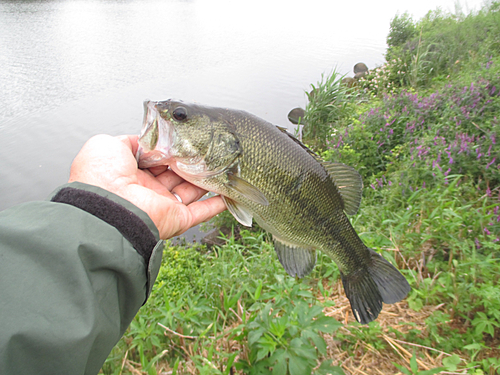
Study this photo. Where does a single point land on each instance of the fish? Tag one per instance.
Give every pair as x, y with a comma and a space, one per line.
264, 173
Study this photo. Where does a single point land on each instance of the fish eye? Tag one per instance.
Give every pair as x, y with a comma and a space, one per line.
179, 113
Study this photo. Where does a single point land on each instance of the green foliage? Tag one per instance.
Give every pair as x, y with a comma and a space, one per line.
331, 104
414, 368
428, 51
402, 29
239, 293
284, 336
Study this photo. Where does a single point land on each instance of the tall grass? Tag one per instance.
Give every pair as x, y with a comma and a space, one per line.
330, 106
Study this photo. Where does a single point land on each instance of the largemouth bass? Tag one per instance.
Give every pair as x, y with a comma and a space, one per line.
264, 173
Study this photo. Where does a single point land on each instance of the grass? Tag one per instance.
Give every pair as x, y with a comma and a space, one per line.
423, 130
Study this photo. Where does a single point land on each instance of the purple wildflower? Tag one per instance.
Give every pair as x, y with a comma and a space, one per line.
491, 162
488, 64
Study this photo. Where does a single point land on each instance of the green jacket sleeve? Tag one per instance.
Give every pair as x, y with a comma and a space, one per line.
74, 271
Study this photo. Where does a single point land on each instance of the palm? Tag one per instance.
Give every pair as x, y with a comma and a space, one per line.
109, 163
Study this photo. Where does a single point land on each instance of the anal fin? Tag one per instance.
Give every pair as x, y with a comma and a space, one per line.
295, 260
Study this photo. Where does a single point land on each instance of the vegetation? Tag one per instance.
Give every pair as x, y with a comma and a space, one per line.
424, 131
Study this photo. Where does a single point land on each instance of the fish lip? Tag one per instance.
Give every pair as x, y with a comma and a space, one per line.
162, 152
150, 159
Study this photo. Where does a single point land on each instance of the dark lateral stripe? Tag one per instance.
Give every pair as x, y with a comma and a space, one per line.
127, 223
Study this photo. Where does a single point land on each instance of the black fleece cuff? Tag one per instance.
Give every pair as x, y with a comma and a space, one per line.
125, 221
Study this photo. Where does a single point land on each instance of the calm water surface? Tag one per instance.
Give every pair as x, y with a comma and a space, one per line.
70, 69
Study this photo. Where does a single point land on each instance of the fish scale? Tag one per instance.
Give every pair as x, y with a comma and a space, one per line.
264, 173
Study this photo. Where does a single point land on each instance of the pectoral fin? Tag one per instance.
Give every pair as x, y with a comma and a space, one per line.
239, 212
295, 260
246, 189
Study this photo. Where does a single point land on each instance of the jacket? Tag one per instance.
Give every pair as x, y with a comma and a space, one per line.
74, 271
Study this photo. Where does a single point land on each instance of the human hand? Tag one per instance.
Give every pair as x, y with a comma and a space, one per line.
109, 162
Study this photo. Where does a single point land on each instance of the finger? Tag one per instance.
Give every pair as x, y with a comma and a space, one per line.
132, 141
158, 170
147, 180
169, 179
188, 193
204, 210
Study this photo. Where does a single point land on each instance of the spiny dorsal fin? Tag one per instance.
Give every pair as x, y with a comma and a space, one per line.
239, 212
348, 182
299, 142
295, 260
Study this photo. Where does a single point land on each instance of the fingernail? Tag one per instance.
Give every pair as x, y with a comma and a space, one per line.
177, 196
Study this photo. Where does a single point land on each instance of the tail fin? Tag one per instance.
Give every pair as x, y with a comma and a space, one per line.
366, 289
392, 285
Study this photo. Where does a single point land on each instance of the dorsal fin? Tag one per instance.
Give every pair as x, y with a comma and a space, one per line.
348, 182
347, 179
299, 142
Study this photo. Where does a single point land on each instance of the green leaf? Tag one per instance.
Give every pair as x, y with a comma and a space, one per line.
318, 341
451, 362
433, 371
413, 363
280, 367
475, 346
278, 326
267, 346
415, 304
176, 366
326, 324
326, 368
254, 336
302, 349
298, 366
258, 290
403, 369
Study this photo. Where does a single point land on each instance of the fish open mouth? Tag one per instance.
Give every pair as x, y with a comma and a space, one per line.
156, 138
150, 159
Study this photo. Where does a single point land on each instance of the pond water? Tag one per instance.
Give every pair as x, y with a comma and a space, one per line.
70, 69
